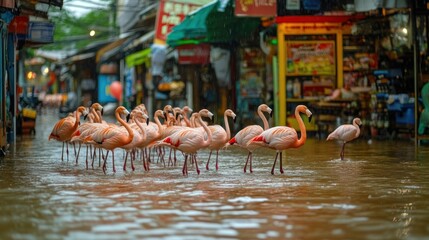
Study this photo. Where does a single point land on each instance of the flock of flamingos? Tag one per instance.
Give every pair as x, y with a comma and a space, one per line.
180, 130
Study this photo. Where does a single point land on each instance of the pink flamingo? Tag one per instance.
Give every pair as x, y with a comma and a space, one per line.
281, 137
190, 140
346, 133
243, 137
65, 127
88, 126
139, 137
113, 137
220, 136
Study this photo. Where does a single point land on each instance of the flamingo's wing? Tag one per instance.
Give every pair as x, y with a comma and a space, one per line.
344, 133
246, 134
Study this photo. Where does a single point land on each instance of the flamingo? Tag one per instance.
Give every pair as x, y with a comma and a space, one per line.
281, 137
65, 127
113, 137
190, 140
243, 137
139, 137
220, 136
77, 136
346, 133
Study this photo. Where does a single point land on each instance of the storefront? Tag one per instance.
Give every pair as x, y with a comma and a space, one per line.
354, 64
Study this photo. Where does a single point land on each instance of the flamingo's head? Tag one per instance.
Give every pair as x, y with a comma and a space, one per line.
230, 113
83, 110
206, 113
304, 109
97, 107
187, 109
357, 121
264, 108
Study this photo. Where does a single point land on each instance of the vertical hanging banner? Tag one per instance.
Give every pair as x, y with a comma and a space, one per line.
171, 13
256, 8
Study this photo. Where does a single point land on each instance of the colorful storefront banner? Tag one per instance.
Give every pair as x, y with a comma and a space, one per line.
194, 54
171, 13
104, 82
306, 58
256, 8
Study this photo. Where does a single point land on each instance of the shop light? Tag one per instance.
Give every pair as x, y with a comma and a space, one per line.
405, 31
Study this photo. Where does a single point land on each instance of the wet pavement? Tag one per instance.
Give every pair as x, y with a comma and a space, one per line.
380, 191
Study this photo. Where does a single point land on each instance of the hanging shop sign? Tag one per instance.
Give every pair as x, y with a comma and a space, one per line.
194, 54
306, 58
41, 32
171, 13
19, 26
256, 8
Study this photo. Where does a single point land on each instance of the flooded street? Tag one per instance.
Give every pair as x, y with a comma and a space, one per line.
380, 191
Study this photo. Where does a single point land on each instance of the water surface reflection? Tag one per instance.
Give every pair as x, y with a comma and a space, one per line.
379, 191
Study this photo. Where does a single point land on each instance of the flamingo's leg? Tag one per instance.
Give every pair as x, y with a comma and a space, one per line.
208, 160
196, 165
217, 162
247, 160
281, 162
78, 152
274, 164
125, 161
184, 169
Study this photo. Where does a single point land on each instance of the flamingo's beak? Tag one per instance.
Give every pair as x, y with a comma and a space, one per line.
128, 117
85, 116
234, 119
147, 121
102, 111
309, 118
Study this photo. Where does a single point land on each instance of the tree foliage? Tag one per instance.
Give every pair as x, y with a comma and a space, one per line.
72, 32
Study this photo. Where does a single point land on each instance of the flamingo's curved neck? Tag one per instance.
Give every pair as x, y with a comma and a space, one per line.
76, 123
228, 131
303, 138
95, 114
123, 123
158, 123
357, 128
186, 119
143, 135
264, 119
209, 133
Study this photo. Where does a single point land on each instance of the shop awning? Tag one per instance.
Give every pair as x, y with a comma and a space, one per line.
141, 40
138, 58
213, 22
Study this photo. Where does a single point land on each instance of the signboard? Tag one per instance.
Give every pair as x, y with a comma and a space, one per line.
41, 32
256, 8
194, 54
171, 13
306, 58
104, 81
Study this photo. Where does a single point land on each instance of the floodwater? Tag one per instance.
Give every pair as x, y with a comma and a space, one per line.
380, 191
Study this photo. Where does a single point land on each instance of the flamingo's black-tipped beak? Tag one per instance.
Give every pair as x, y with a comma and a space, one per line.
309, 118
85, 116
128, 117
234, 119
147, 121
165, 115
102, 111
271, 113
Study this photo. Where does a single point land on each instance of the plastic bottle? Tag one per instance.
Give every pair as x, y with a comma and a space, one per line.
289, 89
296, 88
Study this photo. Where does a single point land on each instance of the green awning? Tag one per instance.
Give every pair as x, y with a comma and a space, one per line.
214, 22
138, 58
